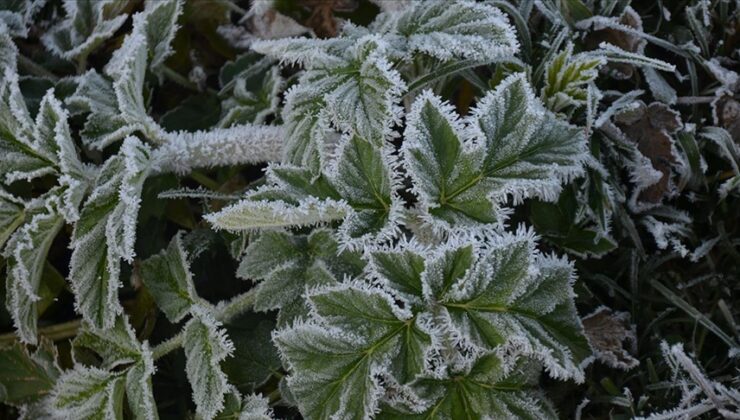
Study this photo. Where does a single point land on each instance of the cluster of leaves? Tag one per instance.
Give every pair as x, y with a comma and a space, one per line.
451, 185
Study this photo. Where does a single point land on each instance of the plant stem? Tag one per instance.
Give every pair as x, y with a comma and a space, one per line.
54, 332
225, 313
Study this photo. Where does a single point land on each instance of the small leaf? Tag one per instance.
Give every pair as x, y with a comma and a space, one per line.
27, 377
286, 264
12, 215
88, 24
139, 388
116, 345
168, 278
206, 346
485, 391
460, 30
89, 392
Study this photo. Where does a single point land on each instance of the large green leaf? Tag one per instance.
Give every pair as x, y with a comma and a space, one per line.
510, 296
106, 232
509, 148
486, 391
334, 362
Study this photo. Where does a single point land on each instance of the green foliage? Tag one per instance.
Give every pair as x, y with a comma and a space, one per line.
369, 209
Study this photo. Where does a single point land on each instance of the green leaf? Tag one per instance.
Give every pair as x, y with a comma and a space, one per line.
12, 215
363, 179
512, 297
456, 30
89, 393
510, 147
251, 407
106, 232
27, 377
288, 265
356, 190
252, 100
334, 364
159, 22
559, 227
255, 358
206, 346
484, 391
21, 156
88, 24
26, 256
567, 77
139, 391
116, 345
168, 278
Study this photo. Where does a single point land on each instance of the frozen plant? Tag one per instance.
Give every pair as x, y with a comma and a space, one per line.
367, 209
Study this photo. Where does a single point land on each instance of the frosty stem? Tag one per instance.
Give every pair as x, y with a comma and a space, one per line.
229, 311
183, 151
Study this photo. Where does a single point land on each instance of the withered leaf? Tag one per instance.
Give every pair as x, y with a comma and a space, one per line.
607, 331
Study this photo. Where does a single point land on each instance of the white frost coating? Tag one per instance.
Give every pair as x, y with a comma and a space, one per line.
250, 214
462, 30
84, 392
615, 54
700, 394
65, 39
238, 145
462, 170
206, 346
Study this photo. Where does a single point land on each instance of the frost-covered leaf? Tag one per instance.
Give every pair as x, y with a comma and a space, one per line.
512, 297
26, 255
87, 25
27, 377
89, 393
104, 124
566, 79
116, 345
12, 215
17, 15
106, 232
253, 99
251, 214
358, 92
206, 346
139, 387
651, 128
287, 264
250, 407
509, 147
335, 363
159, 23
21, 157
357, 189
485, 391
461, 30
167, 277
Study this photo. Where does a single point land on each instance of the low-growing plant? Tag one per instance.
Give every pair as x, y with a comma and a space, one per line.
347, 210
